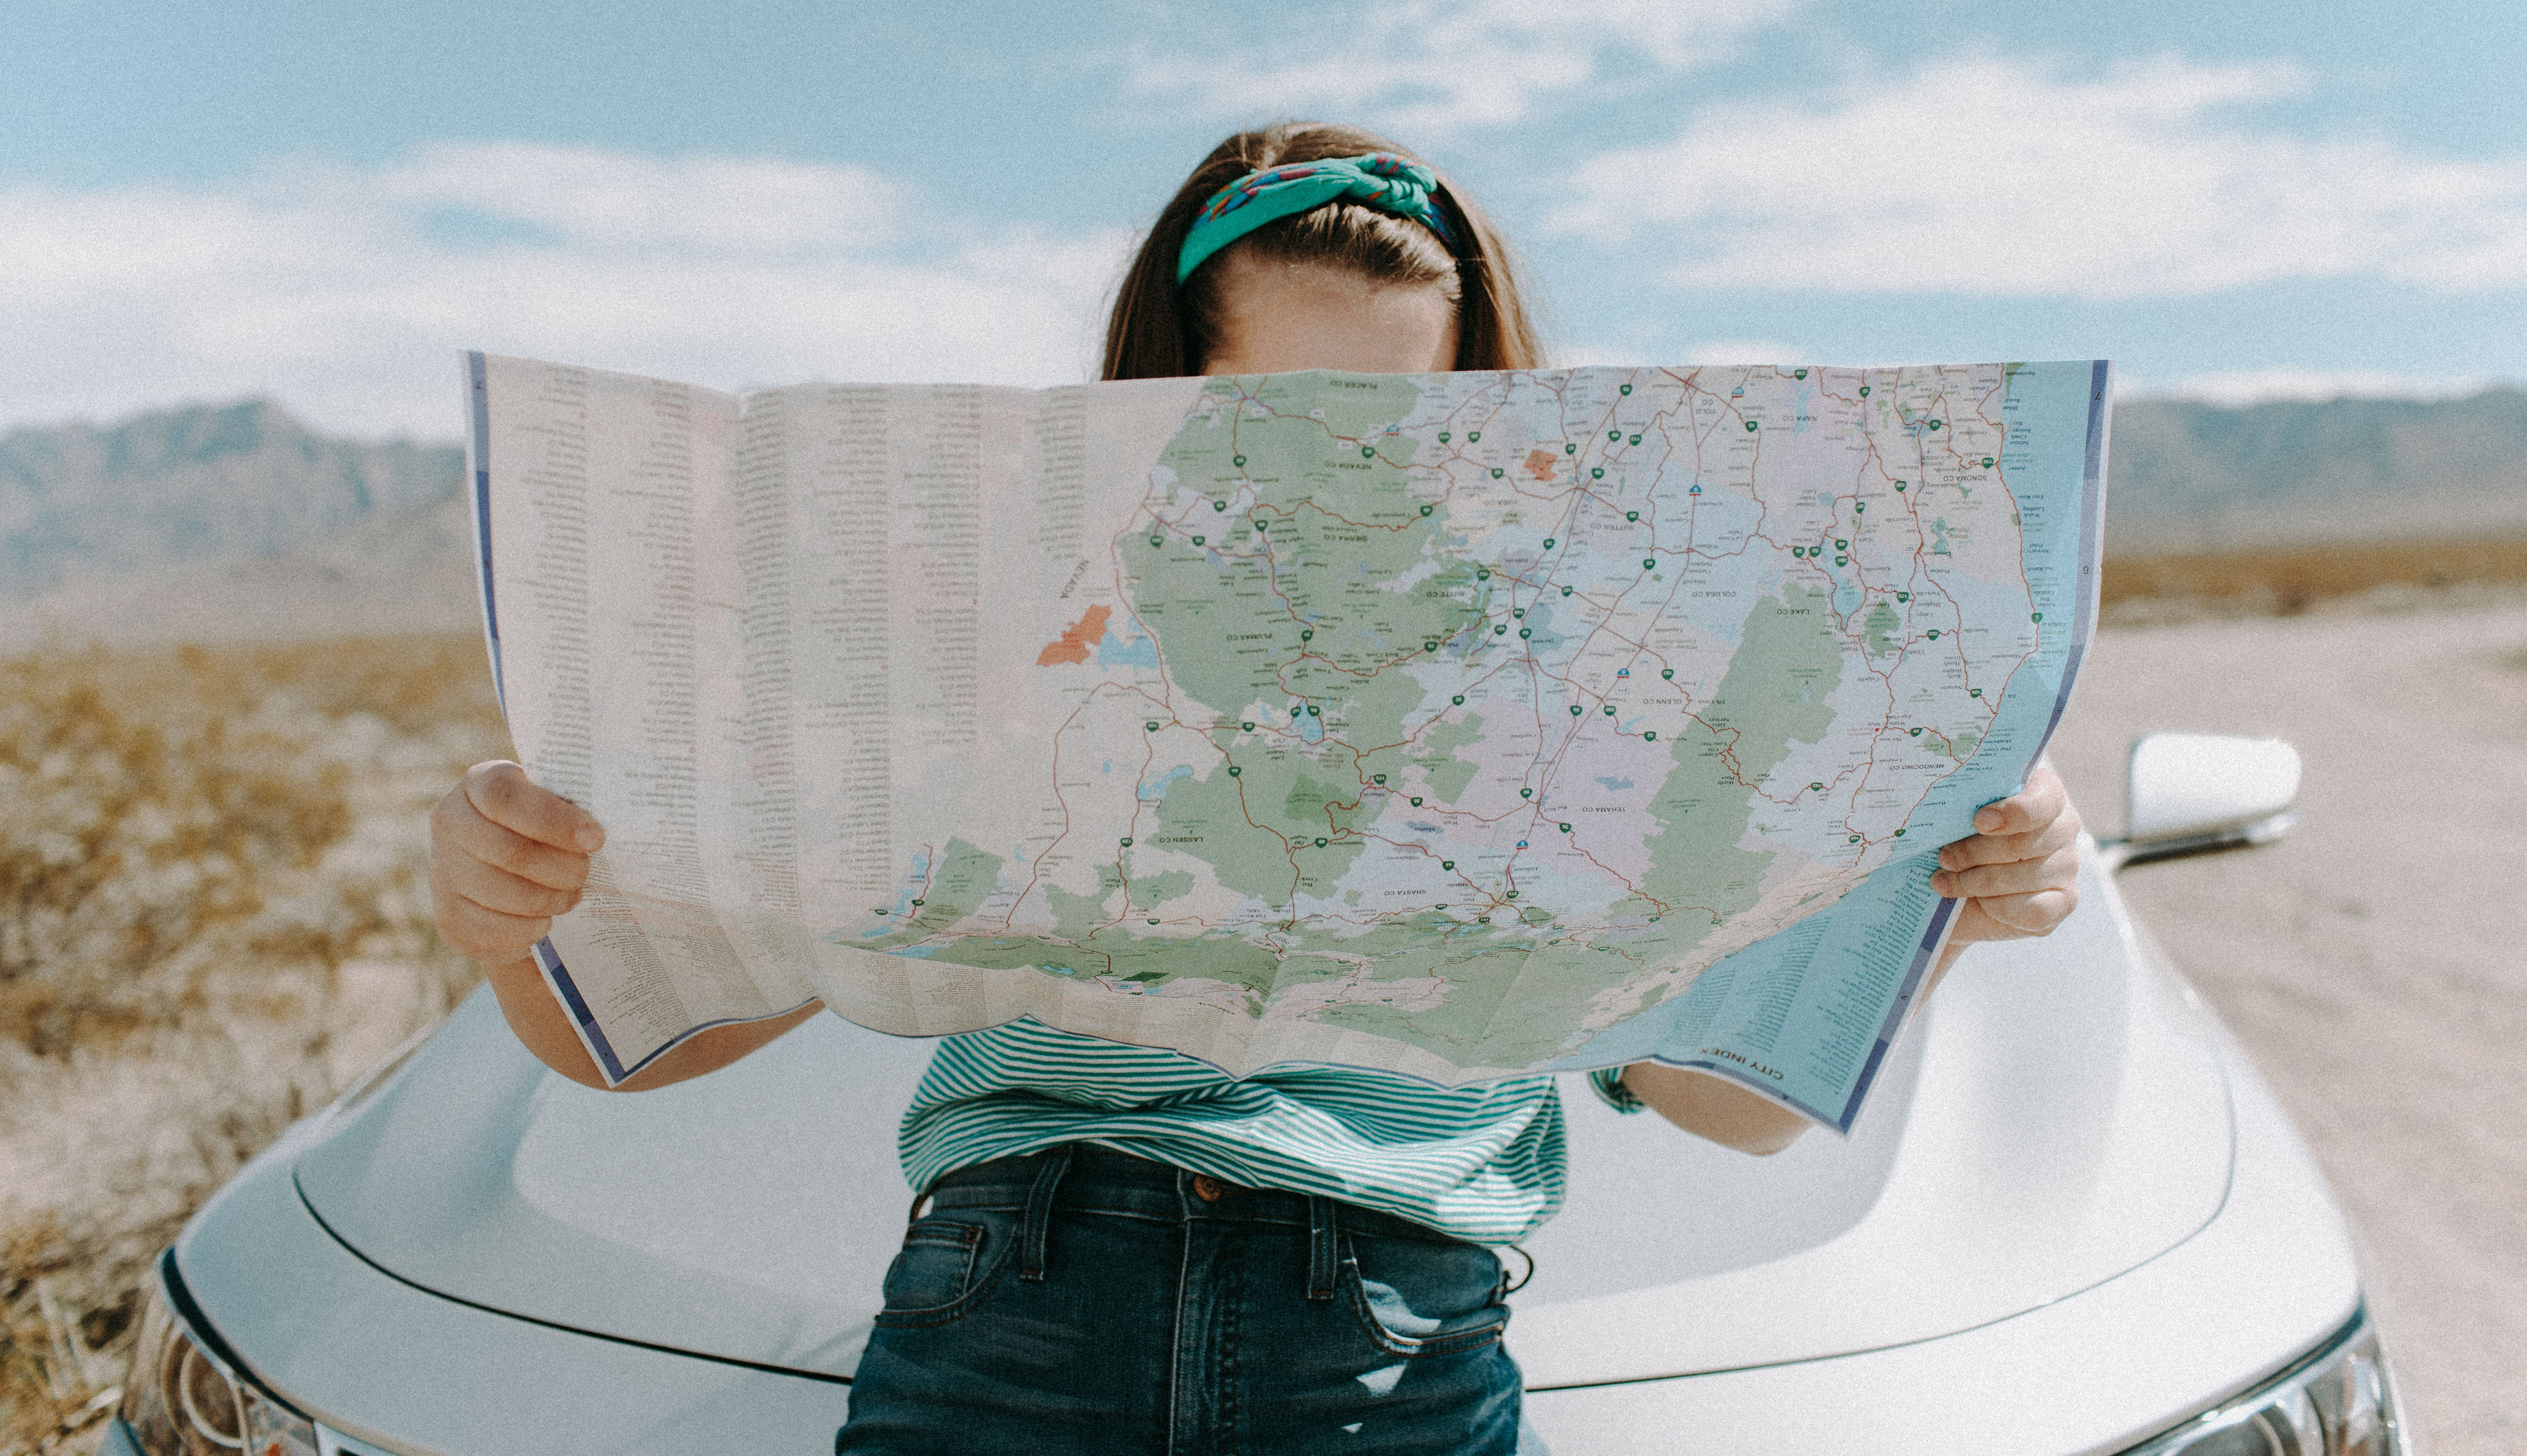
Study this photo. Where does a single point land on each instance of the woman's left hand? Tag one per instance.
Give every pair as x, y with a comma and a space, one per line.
2019, 876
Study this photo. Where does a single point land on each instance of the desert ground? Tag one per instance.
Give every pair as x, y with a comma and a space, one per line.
212, 918
2374, 963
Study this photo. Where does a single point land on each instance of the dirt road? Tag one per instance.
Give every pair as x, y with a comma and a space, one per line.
2375, 963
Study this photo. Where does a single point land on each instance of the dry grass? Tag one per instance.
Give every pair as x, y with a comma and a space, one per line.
2285, 582
213, 916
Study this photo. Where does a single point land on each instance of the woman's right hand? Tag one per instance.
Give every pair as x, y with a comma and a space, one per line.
506, 856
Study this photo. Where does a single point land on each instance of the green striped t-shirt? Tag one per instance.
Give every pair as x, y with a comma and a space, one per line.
1482, 1163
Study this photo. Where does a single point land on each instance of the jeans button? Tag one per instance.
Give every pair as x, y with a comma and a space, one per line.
1207, 1188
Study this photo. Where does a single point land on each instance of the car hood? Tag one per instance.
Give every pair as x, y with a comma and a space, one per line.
2058, 1117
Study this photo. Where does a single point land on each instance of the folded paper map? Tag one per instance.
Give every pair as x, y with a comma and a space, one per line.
1455, 725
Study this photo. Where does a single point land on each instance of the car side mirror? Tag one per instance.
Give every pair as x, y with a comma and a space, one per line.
2200, 793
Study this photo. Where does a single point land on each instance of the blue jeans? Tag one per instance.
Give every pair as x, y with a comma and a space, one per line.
1081, 1300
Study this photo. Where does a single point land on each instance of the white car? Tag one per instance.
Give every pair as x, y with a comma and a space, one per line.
2072, 1219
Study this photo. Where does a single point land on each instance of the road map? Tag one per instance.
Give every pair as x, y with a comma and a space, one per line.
1456, 725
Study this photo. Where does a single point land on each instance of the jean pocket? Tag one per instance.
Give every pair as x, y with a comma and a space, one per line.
1423, 1297
944, 1264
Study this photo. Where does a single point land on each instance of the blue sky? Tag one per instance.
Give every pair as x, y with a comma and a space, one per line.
322, 202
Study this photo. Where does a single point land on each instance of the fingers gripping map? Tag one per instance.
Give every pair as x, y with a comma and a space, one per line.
1456, 725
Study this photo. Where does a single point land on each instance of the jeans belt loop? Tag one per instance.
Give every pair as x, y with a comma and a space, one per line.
1321, 1249
1039, 1212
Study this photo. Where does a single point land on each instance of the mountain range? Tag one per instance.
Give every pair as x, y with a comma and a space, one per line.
228, 522
236, 521
2189, 477
205, 484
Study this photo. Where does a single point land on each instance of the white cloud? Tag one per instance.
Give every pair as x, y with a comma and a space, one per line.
617, 200
347, 293
2005, 178
1431, 65
2236, 388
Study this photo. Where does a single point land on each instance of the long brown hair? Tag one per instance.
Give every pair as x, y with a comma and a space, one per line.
1163, 329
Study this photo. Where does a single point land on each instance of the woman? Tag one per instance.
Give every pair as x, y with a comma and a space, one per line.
1120, 1249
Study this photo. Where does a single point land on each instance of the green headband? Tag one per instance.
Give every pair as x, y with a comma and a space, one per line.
1382, 179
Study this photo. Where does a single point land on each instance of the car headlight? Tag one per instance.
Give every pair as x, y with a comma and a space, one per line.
185, 1395
2336, 1401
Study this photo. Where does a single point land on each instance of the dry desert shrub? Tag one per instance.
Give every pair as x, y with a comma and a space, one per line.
213, 916
2141, 589
131, 852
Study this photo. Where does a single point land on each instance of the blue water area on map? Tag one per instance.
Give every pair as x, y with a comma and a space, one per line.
1838, 982
1157, 788
1834, 983
912, 885
1113, 652
2050, 404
